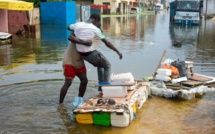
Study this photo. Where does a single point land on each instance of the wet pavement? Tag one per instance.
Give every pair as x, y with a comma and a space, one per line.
31, 77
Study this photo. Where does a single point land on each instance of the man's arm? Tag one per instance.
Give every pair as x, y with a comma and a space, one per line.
73, 39
111, 46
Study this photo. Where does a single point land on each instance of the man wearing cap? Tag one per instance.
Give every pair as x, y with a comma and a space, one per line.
87, 31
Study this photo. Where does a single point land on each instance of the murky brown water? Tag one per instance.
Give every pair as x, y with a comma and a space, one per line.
33, 107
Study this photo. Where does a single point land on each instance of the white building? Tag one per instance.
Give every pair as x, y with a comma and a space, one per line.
122, 6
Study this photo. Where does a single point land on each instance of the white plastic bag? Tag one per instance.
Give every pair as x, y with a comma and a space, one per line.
208, 90
169, 93
157, 91
179, 79
76, 102
168, 62
186, 94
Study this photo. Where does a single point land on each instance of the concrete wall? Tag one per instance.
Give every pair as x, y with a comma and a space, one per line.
57, 12
210, 8
17, 17
3, 21
34, 16
113, 4
12, 20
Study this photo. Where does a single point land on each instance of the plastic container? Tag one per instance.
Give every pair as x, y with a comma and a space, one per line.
84, 118
122, 120
142, 97
101, 119
157, 91
123, 77
114, 91
162, 77
166, 72
134, 107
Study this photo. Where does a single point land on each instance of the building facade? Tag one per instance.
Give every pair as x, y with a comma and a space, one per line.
122, 6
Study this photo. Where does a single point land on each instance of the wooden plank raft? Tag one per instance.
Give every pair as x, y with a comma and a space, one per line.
92, 106
200, 78
191, 83
195, 80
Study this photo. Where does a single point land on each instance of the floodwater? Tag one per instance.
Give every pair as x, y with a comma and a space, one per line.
31, 77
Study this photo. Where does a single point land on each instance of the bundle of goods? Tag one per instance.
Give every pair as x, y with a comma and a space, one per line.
172, 70
123, 77
173, 80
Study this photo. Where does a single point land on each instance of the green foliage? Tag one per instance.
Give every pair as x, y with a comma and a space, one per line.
59, 0
36, 2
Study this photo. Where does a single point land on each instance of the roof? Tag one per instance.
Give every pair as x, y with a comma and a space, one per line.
170, 1
16, 5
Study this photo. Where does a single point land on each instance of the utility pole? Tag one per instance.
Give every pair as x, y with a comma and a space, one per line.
206, 9
81, 11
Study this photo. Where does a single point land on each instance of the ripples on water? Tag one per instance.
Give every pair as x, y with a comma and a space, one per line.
33, 108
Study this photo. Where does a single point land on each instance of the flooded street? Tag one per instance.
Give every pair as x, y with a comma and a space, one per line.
31, 77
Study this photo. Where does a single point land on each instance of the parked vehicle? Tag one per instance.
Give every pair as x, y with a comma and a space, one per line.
134, 10
151, 9
187, 11
158, 7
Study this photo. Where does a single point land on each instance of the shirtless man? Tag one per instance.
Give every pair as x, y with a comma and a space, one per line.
73, 65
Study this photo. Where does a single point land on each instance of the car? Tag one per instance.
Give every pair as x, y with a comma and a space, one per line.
150, 9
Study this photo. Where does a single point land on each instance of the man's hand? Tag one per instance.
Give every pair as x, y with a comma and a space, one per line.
87, 43
73, 39
120, 55
111, 46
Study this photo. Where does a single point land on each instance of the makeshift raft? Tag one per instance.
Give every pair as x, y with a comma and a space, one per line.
194, 85
120, 114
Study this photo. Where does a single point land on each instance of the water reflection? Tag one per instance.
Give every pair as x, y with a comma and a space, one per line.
5, 55
139, 37
184, 34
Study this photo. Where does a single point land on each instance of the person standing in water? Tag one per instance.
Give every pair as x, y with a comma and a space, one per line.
73, 65
87, 31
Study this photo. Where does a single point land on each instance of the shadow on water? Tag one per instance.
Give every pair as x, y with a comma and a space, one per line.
31, 77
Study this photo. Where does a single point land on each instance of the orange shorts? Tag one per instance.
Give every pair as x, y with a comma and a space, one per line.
70, 72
